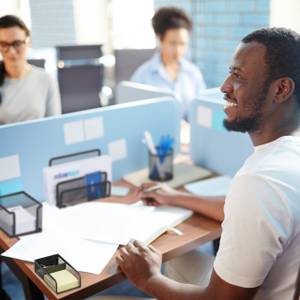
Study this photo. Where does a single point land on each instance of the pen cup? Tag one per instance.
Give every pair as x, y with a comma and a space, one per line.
161, 165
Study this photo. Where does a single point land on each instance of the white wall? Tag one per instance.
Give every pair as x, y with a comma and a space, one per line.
91, 25
16, 7
285, 13
132, 23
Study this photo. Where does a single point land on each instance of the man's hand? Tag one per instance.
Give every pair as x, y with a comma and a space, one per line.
164, 196
139, 263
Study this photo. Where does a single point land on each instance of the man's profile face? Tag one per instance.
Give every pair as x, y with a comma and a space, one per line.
246, 89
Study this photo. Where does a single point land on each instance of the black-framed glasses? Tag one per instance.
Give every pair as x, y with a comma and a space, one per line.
17, 45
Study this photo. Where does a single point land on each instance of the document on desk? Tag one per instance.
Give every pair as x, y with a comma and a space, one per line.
216, 186
87, 235
83, 255
99, 221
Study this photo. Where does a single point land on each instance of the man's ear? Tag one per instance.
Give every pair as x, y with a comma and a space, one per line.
284, 88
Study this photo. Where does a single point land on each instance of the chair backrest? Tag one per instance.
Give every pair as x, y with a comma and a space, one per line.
37, 62
78, 52
80, 76
297, 287
128, 60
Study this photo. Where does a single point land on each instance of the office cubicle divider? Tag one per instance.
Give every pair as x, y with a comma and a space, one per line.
212, 146
128, 91
38, 62
116, 130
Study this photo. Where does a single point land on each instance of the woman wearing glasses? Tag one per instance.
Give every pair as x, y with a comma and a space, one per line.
26, 92
168, 69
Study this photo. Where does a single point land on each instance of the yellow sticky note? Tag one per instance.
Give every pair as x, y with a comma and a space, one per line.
65, 280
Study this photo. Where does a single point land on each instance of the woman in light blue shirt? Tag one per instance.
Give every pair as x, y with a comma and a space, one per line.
168, 68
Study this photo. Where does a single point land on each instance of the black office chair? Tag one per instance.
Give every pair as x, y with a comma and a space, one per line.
37, 62
80, 76
297, 287
128, 60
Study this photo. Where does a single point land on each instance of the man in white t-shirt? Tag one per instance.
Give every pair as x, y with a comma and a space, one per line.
259, 252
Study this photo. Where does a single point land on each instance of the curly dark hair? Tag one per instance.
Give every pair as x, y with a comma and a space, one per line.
282, 53
170, 18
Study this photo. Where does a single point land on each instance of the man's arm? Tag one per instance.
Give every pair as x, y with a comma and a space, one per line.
212, 207
141, 266
164, 288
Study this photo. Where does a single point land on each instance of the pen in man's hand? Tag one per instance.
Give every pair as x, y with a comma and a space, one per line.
152, 189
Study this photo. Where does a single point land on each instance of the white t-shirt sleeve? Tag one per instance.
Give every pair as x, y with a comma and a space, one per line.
255, 228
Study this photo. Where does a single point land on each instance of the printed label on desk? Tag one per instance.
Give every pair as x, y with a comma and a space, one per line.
117, 149
204, 116
73, 132
93, 128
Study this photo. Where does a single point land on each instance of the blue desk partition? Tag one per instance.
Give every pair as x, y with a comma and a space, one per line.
212, 146
128, 91
35, 142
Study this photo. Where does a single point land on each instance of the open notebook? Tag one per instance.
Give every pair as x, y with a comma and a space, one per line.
159, 221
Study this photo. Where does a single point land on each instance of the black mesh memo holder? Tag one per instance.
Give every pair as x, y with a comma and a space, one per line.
75, 191
73, 157
57, 273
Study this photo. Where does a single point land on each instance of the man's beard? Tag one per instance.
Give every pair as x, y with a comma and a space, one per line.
254, 121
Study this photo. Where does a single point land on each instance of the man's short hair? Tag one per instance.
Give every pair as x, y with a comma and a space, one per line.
282, 53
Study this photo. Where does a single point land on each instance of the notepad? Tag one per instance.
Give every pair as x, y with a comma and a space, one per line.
65, 280
216, 186
183, 173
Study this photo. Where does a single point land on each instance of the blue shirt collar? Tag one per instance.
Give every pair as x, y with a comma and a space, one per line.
157, 64
158, 67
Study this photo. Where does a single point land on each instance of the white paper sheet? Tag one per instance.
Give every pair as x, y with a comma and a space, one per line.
73, 132
25, 222
87, 235
93, 128
9, 167
83, 255
105, 222
117, 149
55, 174
204, 116
216, 186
